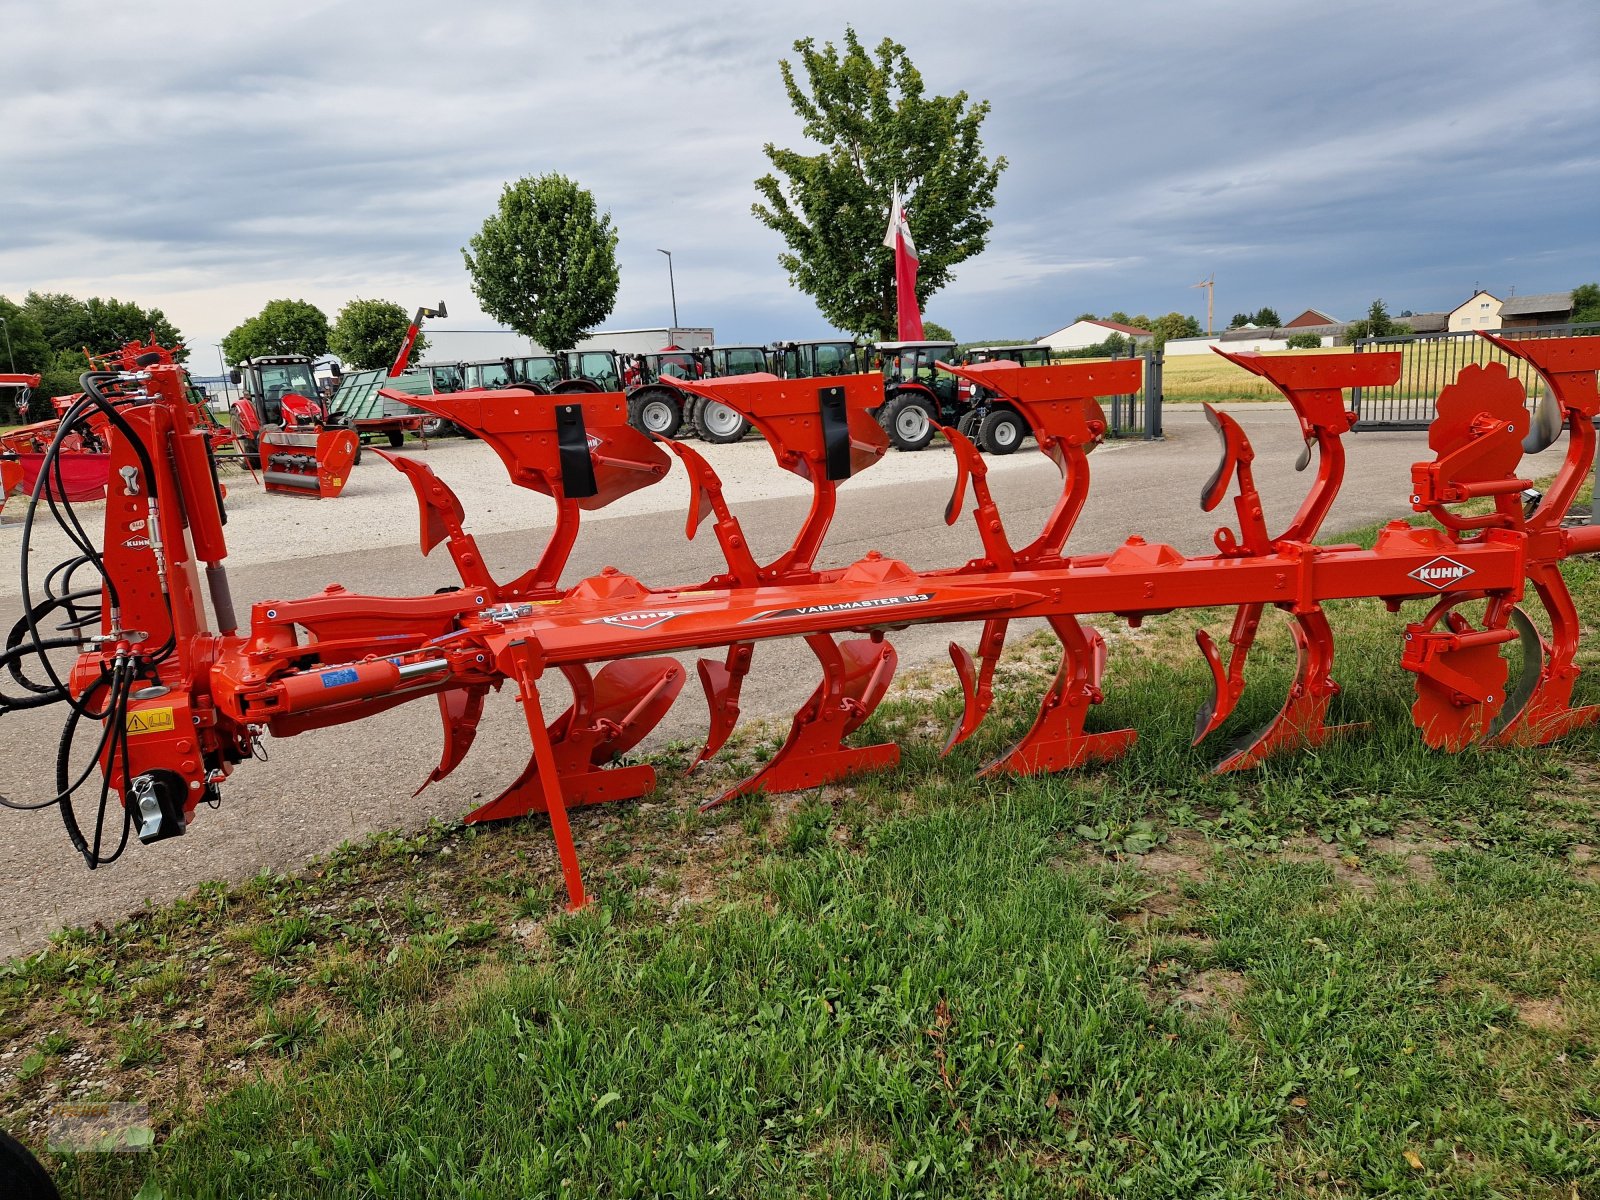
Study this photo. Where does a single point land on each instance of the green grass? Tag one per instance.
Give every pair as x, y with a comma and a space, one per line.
1365, 970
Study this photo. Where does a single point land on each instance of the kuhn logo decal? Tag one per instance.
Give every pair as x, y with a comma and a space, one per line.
817, 610
638, 620
1441, 573
137, 543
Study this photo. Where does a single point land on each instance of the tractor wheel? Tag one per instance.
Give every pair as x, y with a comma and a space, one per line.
249, 447
908, 420
360, 445
719, 424
655, 411
1002, 431
967, 426
397, 438
21, 1176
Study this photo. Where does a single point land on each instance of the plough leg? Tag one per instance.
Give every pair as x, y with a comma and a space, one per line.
1057, 740
609, 715
977, 681
1548, 713
722, 681
1301, 720
1226, 686
855, 675
461, 709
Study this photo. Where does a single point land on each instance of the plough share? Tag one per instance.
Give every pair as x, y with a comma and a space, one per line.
179, 699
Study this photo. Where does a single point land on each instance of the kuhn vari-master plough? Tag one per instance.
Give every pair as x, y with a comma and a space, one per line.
176, 699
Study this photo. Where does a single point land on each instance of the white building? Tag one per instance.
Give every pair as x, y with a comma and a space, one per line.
645, 341
1091, 332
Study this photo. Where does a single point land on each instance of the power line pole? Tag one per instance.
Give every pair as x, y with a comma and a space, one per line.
673, 284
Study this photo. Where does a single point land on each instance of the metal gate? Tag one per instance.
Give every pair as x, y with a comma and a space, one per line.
1139, 413
1432, 360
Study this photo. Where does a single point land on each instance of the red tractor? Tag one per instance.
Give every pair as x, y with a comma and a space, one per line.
275, 389
992, 422
655, 407
917, 391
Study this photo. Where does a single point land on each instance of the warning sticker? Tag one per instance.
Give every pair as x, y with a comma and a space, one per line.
150, 720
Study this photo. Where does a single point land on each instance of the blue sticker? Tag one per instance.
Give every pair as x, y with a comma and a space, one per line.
340, 677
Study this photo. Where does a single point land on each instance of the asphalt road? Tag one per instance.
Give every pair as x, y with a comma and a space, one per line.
322, 788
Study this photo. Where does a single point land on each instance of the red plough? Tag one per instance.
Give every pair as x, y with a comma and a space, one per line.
180, 703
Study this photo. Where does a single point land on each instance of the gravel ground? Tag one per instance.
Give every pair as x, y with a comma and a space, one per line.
323, 787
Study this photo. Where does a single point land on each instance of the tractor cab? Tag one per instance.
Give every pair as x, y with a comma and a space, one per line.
590, 371
1026, 356
995, 425
817, 359
275, 390
674, 360
735, 360
266, 381
488, 373
916, 391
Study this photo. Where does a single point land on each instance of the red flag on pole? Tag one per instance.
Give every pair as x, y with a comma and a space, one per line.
899, 240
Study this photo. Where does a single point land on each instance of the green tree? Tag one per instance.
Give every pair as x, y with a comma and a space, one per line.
936, 332
1304, 341
23, 342
1084, 316
281, 327
1267, 318
878, 131
545, 262
1585, 303
1239, 321
369, 333
1377, 323
1173, 325
97, 325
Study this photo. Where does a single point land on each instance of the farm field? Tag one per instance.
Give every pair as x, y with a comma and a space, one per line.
1425, 368
1370, 969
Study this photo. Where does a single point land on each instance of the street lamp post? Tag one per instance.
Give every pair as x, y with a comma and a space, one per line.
673, 284
10, 358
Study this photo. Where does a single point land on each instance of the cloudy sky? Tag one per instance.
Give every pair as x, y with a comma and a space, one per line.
208, 157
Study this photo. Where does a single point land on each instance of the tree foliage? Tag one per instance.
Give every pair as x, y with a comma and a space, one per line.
1304, 341
1173, 325
1585, 304
1377, 323
1239, 320
936, 332
281, 327
878, 130
369, 333
50, 332
545, 262
1267, 318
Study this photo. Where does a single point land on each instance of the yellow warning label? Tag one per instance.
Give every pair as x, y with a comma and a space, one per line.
150, 720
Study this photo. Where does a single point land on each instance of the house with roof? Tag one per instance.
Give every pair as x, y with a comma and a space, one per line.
1091, 331
1481, 311
1311, 318
1548, 308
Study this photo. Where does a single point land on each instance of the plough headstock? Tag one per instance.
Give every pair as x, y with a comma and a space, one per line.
201, 698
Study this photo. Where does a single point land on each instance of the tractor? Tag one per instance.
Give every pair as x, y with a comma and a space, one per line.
717, 423
655, 407
275, 389
917, 392
994, 424
816, 359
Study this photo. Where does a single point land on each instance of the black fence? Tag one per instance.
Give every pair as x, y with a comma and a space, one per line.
1139, 413
1430, 361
